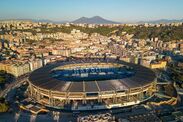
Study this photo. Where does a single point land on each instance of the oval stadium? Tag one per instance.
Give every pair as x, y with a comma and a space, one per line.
91, 84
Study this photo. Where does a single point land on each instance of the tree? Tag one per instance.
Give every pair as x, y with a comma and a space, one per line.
4, 107
2, 79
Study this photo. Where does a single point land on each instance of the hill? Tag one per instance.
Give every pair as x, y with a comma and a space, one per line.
94, 20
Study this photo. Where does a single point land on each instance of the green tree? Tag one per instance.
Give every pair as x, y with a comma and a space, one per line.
2, 79
4, 107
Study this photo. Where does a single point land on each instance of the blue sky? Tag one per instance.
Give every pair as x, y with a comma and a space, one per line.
117, 10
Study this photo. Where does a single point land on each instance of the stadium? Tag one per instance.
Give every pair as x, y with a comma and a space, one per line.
91, 84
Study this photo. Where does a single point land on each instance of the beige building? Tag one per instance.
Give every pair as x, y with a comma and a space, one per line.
35, 64
15, 69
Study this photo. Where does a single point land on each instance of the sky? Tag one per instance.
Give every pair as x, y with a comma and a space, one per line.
69, 10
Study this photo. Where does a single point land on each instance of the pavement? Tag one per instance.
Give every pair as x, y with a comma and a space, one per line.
27, 117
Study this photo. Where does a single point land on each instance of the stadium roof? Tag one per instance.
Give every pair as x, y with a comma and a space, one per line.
42, 78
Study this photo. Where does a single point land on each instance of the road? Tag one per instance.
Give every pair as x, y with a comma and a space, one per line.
14, 84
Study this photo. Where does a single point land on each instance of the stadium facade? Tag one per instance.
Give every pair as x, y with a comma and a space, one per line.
91, 84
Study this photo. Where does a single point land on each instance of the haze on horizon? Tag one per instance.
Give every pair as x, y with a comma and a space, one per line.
69, 10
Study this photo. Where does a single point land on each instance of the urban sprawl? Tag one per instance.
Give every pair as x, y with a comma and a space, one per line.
26, 46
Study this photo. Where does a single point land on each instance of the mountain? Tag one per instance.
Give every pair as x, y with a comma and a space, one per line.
97, 20
37, 20
162, 21
94, 20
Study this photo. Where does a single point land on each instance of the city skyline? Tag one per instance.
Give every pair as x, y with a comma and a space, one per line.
120, 11
91, 60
